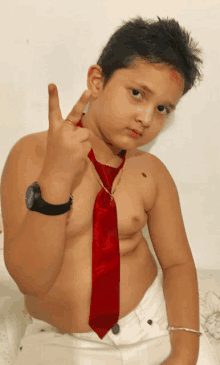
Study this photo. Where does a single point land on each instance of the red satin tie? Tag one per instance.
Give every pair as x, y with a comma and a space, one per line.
104, 308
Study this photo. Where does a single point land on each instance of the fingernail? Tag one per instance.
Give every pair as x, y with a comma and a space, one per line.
51, 88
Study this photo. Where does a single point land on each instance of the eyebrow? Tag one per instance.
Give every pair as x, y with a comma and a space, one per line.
146, 88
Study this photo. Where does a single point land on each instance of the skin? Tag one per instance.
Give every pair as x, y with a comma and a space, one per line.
119, 106
114, 109
175, 76
146, 194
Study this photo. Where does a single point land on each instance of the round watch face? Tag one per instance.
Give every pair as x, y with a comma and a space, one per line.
30, 197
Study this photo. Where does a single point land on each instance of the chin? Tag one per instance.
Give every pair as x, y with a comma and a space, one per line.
123, 144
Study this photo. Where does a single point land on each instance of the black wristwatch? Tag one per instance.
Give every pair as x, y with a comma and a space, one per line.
35, 202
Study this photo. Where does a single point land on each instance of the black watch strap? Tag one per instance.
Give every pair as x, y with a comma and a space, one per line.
36, 203
51, 209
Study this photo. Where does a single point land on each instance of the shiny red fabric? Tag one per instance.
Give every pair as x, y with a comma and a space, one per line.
104, 307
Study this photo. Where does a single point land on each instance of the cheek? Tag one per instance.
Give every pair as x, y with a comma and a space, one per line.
120, 104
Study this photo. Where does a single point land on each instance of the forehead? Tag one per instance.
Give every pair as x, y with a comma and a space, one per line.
155, 74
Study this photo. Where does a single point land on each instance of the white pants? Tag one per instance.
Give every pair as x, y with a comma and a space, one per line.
142, 339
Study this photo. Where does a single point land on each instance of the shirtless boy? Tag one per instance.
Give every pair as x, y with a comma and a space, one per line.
137, 82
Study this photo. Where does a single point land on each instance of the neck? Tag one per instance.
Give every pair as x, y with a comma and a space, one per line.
104, 152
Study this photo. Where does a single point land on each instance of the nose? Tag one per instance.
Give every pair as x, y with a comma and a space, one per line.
145, 116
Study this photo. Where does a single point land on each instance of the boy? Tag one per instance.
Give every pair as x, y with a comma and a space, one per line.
91, 285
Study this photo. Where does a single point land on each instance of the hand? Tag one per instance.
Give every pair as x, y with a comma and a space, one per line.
67, 145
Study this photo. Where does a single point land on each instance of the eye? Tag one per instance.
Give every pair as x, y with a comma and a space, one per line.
163, 108
137, 92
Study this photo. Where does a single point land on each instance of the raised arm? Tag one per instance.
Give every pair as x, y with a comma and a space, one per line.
34, 242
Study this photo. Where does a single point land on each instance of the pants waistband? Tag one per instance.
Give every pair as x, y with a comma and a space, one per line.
148, 313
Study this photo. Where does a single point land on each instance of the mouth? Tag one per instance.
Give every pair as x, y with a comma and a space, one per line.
134, 134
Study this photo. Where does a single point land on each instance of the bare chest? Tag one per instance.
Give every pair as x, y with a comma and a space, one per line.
134, 194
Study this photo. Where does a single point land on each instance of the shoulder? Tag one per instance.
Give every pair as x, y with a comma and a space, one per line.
160, 172
165, 192
26, 156
39, 139
22, 167
32, 145
153, 164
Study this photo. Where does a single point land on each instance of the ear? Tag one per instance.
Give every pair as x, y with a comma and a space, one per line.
95, 80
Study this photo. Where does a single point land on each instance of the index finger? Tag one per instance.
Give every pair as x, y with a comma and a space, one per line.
79, 107
54, 106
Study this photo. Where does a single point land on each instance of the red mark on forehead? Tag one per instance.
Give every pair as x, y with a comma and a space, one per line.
174, 76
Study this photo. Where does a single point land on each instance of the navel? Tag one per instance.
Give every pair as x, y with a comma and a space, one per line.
144, 174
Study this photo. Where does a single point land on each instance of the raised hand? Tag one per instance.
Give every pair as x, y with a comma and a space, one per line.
67, 145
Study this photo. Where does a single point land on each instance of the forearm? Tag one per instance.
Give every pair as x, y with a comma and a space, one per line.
182, 302
34, 257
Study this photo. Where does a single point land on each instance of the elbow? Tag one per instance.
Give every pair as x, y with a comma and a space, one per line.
186, 267
28, 287
33, 290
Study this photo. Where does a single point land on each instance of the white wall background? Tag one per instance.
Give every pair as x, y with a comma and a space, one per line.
56, 41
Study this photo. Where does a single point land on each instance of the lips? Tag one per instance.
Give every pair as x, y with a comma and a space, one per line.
136, 131
133, 134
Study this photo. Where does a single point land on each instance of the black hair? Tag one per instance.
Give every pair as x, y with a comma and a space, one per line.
161, 41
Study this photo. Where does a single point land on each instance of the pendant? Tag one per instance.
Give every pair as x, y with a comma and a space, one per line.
112, 198
112, 202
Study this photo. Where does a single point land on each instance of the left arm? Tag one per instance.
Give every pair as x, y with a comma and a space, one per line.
168, 236
182, 302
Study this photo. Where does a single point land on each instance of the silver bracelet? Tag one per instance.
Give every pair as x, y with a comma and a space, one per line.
185, 329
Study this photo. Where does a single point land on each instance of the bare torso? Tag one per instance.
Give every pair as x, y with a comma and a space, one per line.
67, 305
